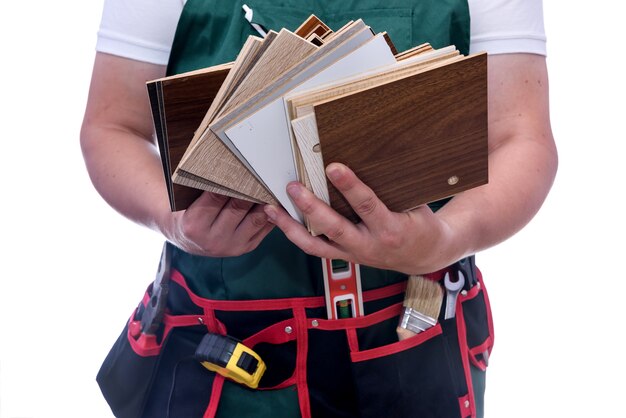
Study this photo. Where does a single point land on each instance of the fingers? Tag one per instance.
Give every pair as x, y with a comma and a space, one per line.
345, 237
322, 218
232, 225
299, 235
233, 212
254, 225
217, 225
241, 221
204, 210
360, 197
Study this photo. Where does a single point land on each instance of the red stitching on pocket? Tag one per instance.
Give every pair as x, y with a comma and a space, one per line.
274, 334
480, 350
353, 340
302, 361
403, 345
146, 345
488, 306
216, 394
463, 348
486, 345
361, 321
277, 304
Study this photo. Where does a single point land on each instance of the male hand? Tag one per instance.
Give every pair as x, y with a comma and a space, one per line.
218, 226
412, 242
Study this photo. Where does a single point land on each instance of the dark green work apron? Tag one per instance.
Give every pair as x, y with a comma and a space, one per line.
271, 298
212, 32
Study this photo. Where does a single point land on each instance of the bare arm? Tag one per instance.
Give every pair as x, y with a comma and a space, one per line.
124, 166
522, 166
116, 140
522, 155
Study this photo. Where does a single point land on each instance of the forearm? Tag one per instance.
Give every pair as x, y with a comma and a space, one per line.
521, 172
522, 166
116, 140
126, 170
125, 167
522, 158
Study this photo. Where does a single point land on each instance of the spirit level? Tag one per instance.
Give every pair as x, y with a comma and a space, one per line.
342, 283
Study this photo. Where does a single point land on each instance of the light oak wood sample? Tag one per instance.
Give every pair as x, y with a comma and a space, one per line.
208, 158
228, 173
414, 129
252, 49
261, 127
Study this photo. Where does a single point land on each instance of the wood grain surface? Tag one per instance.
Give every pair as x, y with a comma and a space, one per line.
182, 103
247, 57
228, 171
413, 141
210, 158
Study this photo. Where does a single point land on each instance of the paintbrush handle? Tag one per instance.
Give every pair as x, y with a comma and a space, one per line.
404, 333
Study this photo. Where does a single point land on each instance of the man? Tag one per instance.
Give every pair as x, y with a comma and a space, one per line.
235, 237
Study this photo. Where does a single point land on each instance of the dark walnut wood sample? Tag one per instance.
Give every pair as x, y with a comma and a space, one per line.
414, 140
178, 106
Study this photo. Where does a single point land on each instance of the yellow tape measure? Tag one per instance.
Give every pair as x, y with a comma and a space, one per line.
230, 358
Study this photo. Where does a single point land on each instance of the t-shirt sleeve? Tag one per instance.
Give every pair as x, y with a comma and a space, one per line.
507, 26
144, 29
139, 29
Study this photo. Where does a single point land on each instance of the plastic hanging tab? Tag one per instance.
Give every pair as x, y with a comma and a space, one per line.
249, 15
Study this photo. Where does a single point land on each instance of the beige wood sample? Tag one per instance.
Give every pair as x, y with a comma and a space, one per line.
287, 50
207, 158
414, 131
259, 128
314, 62
203, 185
416, 50
247, 57
305, 130
227, 169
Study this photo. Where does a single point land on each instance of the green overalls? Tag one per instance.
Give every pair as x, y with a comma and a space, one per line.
272, 297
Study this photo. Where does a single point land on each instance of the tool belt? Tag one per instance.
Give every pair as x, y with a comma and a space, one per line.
315, 366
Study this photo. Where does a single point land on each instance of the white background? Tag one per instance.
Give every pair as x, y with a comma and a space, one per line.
72, 270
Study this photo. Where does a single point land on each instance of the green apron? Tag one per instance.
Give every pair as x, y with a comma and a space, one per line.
212, 32
271, 298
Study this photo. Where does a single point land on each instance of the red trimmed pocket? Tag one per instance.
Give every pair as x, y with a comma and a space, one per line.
477, 324
125, 378
418, 376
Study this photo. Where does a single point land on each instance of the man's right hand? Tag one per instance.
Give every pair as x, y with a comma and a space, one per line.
219, 226
124, 165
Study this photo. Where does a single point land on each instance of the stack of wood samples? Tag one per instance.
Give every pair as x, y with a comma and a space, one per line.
412, 125
179, 104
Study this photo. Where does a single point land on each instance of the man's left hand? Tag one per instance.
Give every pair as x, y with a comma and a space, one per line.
411, 242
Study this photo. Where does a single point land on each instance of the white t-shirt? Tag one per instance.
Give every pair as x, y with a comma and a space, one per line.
144, 29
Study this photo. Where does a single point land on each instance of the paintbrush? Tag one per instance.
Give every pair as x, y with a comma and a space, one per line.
422, 303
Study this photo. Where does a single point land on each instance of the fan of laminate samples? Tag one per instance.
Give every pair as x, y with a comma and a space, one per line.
412, 125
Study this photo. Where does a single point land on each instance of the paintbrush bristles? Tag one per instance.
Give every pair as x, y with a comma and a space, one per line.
424, 295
